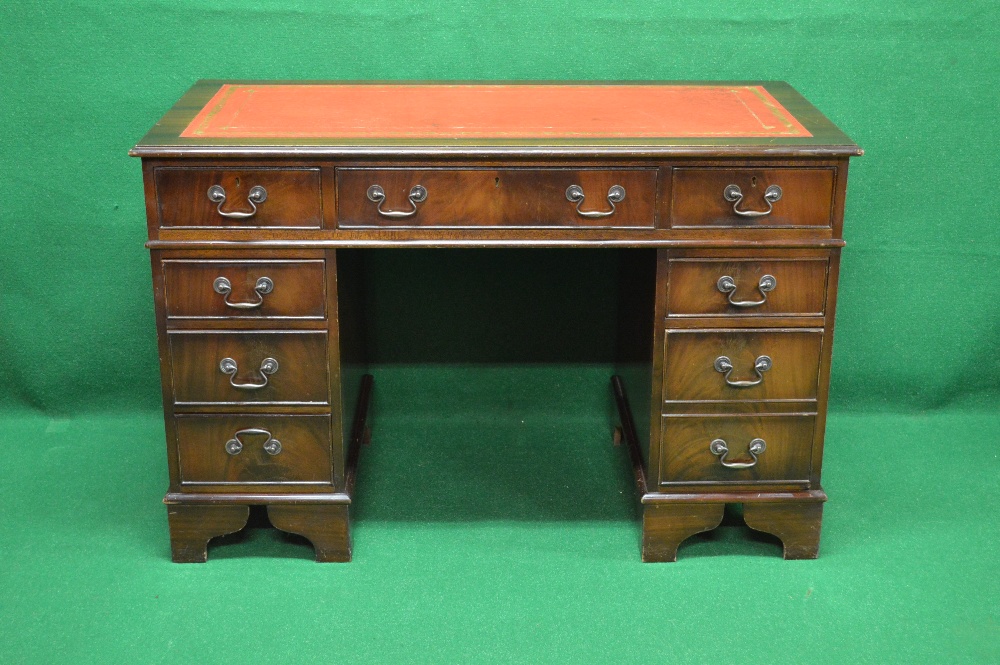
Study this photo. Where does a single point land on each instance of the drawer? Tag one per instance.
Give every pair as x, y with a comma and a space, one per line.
735, 287
723, 365
525, 198
254, 450
286, 367
725, 449
716, 197
244, 289
239, 197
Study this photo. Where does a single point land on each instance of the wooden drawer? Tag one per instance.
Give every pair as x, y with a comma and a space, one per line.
292, 197
254, 450
687, 453
199, 289
775, 287
693, 370
525, 198
284, 367
699, 197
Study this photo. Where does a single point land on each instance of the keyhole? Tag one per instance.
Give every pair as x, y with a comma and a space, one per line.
237, 183
753, 181
496, 182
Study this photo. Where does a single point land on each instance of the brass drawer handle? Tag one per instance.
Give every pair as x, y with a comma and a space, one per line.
235, 446
724, 365
727, 284
574, 194
257, 194
418, 194
771, 195
721, 448
268, 366
223, 287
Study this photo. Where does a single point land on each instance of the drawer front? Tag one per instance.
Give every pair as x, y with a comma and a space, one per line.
747, 287
700, 197
722, 365
525, 198
691, 452
286, 367
244, 289
254, 450
219, 197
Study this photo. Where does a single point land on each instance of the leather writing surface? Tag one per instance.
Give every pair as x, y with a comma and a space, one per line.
442, 111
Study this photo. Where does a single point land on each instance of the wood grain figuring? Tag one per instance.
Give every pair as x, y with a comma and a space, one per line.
686, 458
690, 373
326, 526
304, 457
496, 161
797, 525
191, 527
666, 526
483, 111
293, 197
299, 289
459, 198
800, 289
302, 375
698, 201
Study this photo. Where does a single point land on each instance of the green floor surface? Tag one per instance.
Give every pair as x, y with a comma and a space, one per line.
467, 549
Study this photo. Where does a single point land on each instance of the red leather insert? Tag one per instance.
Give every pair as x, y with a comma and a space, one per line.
496, 111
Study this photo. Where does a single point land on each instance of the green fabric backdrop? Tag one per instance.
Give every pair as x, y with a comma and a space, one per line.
539, 569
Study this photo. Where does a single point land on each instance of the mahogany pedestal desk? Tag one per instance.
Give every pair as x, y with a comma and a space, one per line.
729, 198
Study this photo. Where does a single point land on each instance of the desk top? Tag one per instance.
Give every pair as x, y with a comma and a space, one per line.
244, 118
